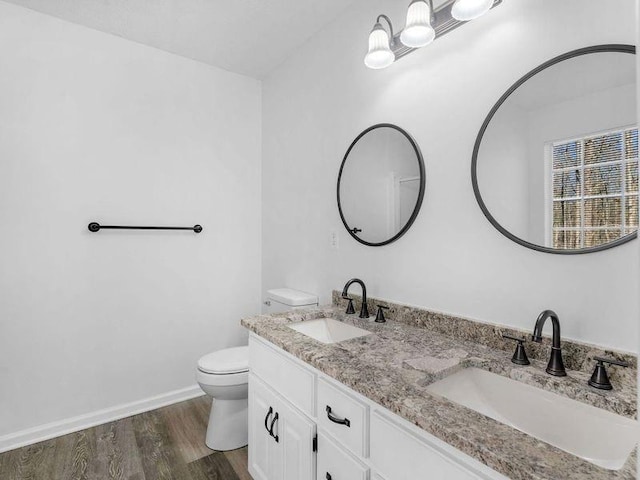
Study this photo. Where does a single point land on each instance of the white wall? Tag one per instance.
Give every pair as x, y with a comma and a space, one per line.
452, 259
97, 128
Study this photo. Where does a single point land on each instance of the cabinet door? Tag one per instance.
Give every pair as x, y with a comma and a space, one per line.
264, 451
288, 453
297, 433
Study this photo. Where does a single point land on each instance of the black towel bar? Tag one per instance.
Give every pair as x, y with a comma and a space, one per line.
96, 227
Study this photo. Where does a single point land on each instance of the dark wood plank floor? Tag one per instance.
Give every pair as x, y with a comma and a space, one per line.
164, 444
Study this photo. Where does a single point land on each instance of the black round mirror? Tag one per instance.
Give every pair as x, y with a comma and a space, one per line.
381, 185
555, 164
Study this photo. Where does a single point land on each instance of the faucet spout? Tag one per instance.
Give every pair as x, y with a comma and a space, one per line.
364, 310
555, 365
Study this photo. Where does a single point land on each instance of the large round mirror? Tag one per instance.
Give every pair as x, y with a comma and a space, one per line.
380, 185
555, 165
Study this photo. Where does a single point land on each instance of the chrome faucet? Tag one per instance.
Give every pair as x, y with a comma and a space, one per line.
364, 310
555, 365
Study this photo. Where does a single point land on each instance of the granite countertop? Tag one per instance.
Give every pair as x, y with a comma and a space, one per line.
394, 366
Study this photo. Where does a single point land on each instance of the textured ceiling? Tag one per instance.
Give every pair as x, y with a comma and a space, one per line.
250, 37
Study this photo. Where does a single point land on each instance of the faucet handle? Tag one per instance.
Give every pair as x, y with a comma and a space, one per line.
380, 315
350, 309
611, 361
520, 355
512, 337
600, 379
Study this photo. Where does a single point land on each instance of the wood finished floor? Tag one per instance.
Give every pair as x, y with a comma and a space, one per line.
164, 444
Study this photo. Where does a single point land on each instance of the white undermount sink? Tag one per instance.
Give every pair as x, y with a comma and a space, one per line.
328, 330
598, 436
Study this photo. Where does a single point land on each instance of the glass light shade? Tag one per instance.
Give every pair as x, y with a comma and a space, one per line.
465, 10
379, 54
418, 31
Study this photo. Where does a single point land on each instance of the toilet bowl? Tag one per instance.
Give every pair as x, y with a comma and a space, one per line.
224, 375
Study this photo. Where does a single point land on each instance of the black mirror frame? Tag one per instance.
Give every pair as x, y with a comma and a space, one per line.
619, 48
416, 209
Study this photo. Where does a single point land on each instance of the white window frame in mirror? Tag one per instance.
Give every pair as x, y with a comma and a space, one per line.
549, 172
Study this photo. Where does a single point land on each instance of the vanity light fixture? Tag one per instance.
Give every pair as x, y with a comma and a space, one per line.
465, 10
380, 54
423, 25
418, 31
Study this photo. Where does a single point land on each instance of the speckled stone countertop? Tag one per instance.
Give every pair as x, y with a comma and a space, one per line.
394, 366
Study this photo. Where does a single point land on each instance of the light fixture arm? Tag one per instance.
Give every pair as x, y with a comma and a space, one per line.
432, 12
388, 20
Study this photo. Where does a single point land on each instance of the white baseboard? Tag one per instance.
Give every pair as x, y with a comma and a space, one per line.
74, 424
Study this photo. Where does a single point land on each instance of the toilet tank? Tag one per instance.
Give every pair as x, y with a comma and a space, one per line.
286, 299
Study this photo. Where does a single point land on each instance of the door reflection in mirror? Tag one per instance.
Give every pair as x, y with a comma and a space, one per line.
380, 185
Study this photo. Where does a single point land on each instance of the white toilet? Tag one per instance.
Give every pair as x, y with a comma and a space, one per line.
224, 375
286, 299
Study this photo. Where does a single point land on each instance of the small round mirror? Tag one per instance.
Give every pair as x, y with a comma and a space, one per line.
380, 185
555, 165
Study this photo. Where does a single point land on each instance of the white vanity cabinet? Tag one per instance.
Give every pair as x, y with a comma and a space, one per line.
356, 439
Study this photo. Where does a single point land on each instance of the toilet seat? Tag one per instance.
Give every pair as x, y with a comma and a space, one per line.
225, 362
226, 380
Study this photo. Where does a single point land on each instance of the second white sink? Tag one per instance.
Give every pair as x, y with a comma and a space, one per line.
598, 436
328, 330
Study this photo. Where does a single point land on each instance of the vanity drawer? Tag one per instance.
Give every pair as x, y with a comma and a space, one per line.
347, 420
399, 455
292, 381
334, 463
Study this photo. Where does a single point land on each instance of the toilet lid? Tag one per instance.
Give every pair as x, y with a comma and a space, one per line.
230, 360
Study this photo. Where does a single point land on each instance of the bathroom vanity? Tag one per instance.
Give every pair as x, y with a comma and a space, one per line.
377, 405
366, 438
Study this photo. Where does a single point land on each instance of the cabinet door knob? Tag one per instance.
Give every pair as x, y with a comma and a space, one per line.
273, 423
334, 419
328, 476
266, 420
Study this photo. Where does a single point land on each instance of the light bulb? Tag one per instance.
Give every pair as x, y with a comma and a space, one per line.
379, 54
465, 10
418, 31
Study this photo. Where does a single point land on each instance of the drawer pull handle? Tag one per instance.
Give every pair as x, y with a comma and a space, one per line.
334, 419
266, 420
328, 476
273, 423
